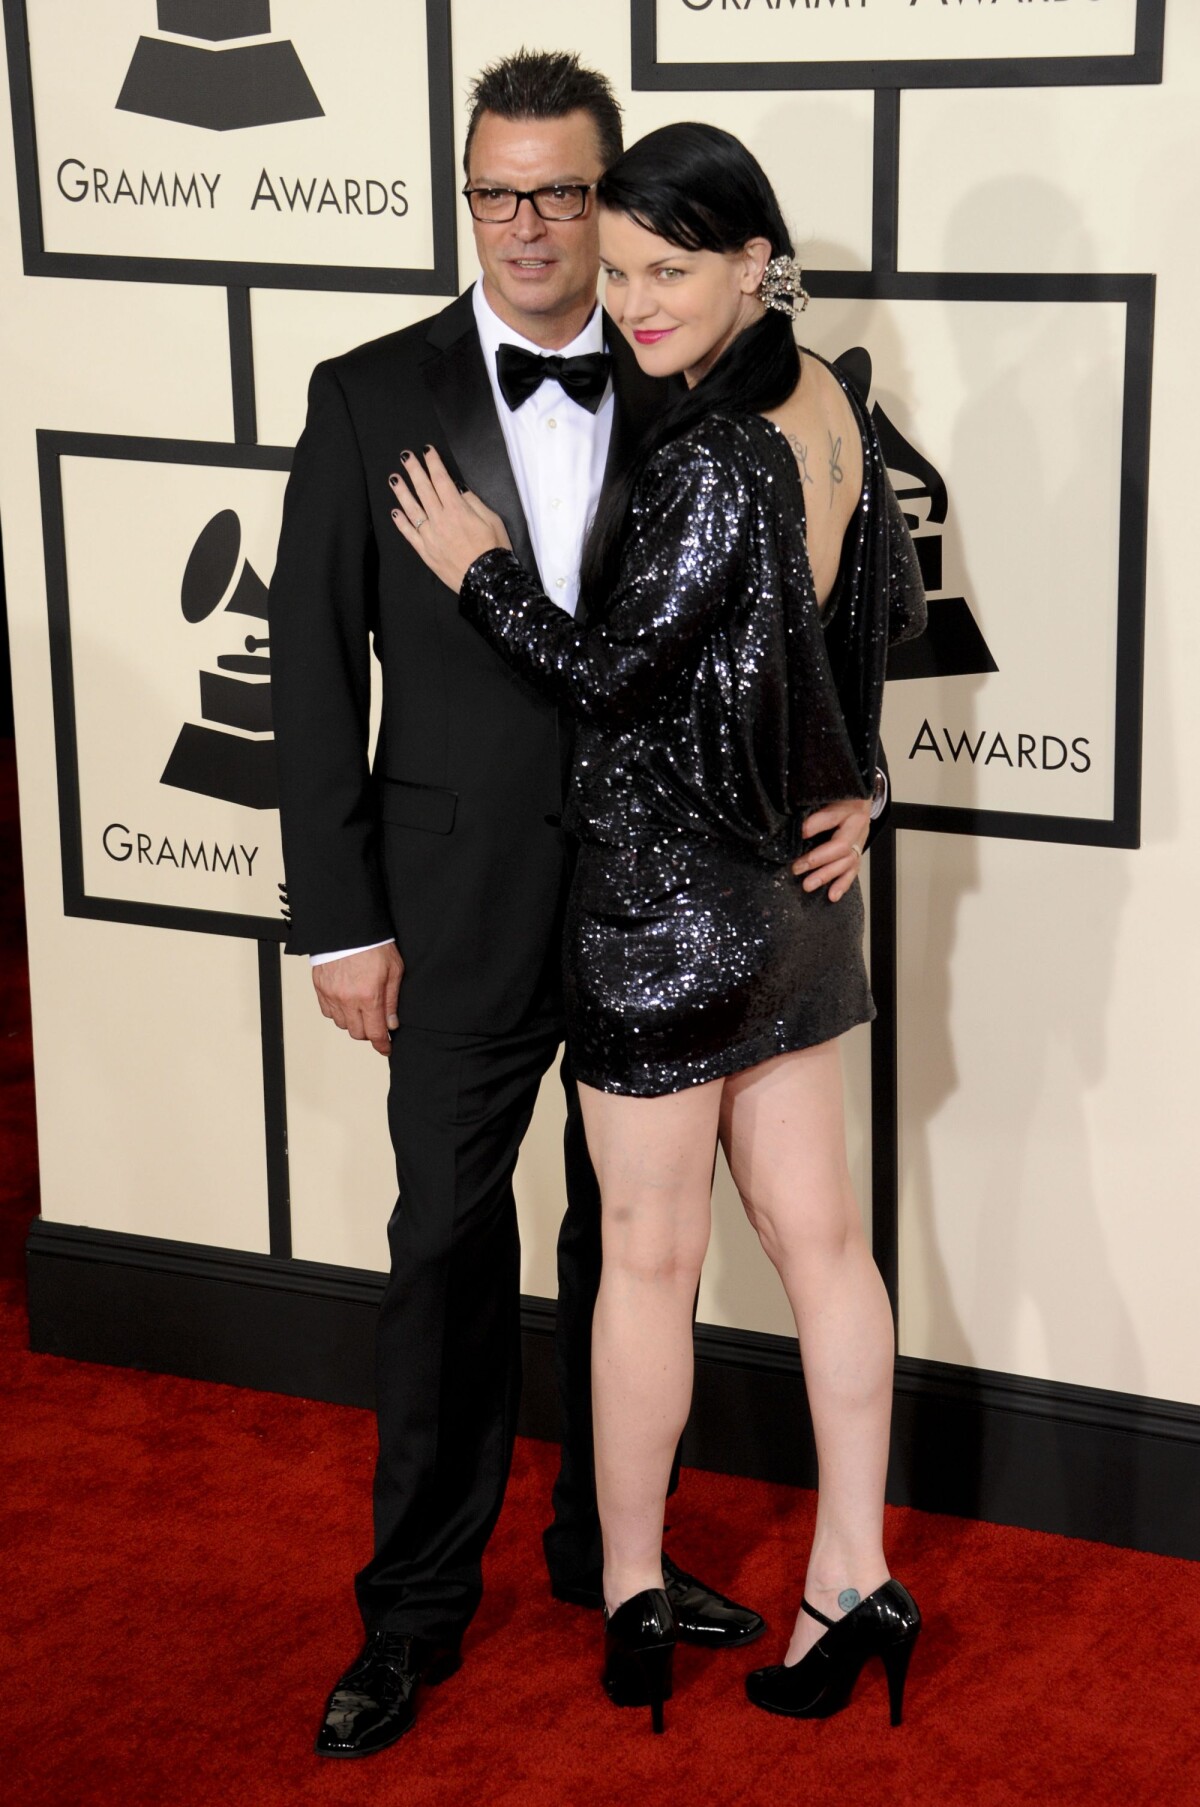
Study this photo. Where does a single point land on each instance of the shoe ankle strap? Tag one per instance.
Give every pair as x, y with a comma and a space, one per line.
818, 1616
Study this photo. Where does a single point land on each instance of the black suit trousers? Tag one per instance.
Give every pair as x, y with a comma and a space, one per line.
448, 1360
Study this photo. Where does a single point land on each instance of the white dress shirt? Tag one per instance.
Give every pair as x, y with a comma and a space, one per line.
558, 452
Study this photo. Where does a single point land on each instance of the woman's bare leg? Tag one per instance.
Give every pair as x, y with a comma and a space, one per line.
654, 1159
783, 1131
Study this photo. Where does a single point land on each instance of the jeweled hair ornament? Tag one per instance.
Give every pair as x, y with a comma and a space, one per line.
782, 288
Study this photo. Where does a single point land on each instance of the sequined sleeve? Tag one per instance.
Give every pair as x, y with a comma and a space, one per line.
683, 548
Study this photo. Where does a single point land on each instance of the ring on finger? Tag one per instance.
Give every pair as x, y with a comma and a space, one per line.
419, 524
857, 848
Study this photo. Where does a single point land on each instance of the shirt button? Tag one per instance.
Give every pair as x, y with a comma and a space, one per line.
556, 501
551, 423
560, 583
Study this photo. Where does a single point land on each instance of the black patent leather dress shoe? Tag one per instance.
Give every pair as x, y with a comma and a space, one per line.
639, 1645
702, 1616
375, 1701
886, 1624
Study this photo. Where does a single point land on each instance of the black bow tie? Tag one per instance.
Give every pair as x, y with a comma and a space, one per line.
584, 378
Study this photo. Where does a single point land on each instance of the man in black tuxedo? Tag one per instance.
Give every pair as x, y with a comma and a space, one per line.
429, 890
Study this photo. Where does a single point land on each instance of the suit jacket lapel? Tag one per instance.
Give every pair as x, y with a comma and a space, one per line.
475, 451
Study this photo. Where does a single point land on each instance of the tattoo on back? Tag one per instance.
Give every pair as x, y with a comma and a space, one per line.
801, 453
836, 473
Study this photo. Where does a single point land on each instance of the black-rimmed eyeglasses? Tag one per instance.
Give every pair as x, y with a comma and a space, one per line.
561, 201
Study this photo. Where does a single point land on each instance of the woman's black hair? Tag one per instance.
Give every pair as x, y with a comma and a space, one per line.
701, 189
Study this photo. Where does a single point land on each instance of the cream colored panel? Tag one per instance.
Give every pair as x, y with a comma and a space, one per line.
1019, 406
739, 1286
149, 1082
1049, 1044
294, 329
816, 149
540, 1189
112, 357
1056, 178
724, 31
343, 1178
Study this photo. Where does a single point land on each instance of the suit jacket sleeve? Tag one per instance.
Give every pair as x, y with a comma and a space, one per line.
323, 602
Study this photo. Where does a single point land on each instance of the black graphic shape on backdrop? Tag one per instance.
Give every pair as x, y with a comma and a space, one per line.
213, 761
215, 18
221, 90
952, 645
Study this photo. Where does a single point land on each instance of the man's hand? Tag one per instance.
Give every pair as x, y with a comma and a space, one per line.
360, 993
836, 861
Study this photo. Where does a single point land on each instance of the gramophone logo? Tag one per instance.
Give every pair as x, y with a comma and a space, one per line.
224, 90
952, 645
230, 753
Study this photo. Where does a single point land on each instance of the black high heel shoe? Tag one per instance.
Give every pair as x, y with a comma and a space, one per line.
885, 1625
639, 1647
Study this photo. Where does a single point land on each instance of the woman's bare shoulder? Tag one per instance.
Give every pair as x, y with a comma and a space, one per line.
823, 431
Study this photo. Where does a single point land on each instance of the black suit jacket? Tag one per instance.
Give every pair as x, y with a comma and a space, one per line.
452, 842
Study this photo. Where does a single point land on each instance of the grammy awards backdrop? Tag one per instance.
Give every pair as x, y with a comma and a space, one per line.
997, 208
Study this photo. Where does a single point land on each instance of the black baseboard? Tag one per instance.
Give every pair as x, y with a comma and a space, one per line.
1072, 1460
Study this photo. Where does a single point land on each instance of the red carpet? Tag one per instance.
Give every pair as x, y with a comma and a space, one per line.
177, 1603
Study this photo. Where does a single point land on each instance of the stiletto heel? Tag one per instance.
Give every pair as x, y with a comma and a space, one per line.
896, 1658
886, 1624
639, 1651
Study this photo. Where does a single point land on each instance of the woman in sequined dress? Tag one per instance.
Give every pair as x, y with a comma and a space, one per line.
741, 590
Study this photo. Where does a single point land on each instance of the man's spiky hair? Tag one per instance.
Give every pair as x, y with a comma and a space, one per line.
545, 84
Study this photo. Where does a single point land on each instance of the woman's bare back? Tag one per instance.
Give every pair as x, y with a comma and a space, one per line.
823, 433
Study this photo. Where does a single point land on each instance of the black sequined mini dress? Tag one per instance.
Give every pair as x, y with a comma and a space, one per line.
716, 705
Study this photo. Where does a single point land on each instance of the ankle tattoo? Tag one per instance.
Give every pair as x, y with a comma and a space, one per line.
849, 1598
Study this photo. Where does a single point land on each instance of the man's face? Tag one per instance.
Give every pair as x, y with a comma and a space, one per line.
540, 275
